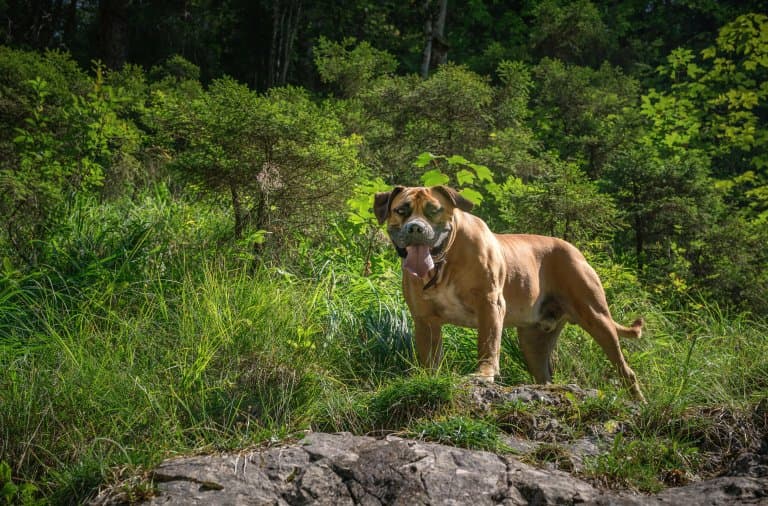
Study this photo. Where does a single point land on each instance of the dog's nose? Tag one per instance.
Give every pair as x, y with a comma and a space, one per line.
414, 228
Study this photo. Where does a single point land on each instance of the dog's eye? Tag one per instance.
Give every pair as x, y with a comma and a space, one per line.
402, 210
433, 210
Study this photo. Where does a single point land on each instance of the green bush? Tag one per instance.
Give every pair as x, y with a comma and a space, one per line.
64, 136
11, 493
280, 159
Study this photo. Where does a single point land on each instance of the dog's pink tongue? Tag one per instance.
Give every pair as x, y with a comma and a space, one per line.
418, 261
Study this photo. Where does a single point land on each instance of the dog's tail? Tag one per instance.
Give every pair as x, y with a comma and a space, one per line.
634, 331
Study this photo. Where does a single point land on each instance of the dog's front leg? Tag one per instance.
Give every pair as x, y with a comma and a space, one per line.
490, 325
429, 342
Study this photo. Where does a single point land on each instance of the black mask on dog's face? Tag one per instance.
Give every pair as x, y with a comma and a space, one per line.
419, 222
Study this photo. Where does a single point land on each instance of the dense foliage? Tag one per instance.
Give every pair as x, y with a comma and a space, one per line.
184, 195
666, 171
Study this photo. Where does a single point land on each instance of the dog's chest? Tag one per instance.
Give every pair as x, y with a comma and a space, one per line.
451, 306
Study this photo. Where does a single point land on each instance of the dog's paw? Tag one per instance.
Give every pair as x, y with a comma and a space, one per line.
482, 377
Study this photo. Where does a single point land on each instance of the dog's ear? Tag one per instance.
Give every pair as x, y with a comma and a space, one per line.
455, 198
382, 201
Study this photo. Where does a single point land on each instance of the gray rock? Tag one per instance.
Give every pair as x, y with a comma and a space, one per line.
719, 491
331, 469
341, 469
484, 395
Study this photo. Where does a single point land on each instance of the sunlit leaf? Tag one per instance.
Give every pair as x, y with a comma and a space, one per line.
464, 177
472, 195
423, 159
434, 177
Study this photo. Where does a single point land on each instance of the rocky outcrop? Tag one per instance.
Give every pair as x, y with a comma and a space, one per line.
342, 469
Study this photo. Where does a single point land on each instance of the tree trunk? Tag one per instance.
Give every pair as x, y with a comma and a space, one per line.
292, 28
70, 24
29, 22
113, 32
237, 208
273, 58
426, 58
439, 43
435, 45
285, 26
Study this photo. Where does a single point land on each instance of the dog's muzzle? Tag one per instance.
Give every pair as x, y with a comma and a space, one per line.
417, 232
418, 242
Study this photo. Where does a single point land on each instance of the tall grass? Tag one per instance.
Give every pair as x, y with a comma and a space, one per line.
145, 335
199, 364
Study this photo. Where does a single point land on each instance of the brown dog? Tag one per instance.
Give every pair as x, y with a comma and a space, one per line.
455, 270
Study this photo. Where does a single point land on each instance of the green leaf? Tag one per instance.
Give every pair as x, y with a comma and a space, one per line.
359, 207
708, 53
472, 195
483, 172
464, 177
423, 159
5, 472
8, 492
457, 160
434, 177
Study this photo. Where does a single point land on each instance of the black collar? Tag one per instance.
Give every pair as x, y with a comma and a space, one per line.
432, 282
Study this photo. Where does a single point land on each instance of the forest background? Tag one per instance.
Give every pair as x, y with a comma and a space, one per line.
185, 193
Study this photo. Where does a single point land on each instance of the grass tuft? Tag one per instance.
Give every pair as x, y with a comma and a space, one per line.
644, 464
461, 431
553, 454
405, 399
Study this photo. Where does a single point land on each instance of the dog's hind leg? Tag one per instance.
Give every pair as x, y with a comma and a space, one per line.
588, 308
537, 346
602, 328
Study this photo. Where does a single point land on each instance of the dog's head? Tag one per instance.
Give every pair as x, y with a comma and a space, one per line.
419, 222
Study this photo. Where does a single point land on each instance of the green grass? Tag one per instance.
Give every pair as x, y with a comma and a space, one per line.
127, 348
462, 431
552, 453
645, 464
405, 399
206, 366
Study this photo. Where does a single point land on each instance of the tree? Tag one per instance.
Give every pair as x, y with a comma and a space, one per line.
668, 199
113, 32
560, 202
64, 134
447, 113
574, 33
286, 16
349, 68
718, 103
39, 24
643, 32
280, 159
586, 114
512, 147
